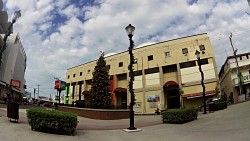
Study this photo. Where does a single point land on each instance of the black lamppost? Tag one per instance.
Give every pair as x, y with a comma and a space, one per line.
130, 31
197, 53
15, 16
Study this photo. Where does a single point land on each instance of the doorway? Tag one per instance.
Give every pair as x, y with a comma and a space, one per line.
172, 95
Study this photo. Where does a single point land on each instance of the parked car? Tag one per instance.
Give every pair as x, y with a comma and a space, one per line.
209, 101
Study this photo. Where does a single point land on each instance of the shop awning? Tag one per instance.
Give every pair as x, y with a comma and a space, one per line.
170, 83
120, 90
2, 83
199, 94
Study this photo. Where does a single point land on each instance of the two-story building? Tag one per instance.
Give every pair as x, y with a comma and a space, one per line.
229, 78
166, 75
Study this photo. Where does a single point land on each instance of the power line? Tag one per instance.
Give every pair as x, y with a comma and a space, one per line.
38, 89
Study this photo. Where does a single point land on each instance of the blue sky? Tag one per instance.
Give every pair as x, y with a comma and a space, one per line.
59, 34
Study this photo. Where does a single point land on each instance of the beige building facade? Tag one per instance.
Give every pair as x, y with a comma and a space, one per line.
166, 75
229, 80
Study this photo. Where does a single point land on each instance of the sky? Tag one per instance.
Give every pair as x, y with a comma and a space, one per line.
60, 34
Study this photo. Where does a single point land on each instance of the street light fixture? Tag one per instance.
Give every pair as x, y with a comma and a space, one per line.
130, 31
16, 15
197, 53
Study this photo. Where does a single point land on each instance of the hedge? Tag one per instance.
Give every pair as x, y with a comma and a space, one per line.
179, 115
221, 105
52, 121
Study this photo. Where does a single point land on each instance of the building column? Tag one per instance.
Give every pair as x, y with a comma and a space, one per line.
80, 89
143, 91
73, 91
180, 83
162, 98
84, 87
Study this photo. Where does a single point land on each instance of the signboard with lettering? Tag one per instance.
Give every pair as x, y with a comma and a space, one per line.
57, 84
15, 83
60, 85
153, 98
138, 107
244, 79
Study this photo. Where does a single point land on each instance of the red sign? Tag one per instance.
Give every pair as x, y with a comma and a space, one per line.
57, 84
15, 83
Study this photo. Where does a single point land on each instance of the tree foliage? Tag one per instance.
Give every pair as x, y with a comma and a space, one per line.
100, 93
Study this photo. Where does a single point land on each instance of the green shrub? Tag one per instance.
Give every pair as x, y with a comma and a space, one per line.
221, 105
179, 115
52, 121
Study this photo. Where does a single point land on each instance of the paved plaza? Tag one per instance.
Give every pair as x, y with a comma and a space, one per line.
231, 124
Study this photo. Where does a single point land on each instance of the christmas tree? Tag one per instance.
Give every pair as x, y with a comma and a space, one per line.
100, 93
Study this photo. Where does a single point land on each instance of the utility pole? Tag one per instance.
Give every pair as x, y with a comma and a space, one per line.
38, 91
34, 93
237, 65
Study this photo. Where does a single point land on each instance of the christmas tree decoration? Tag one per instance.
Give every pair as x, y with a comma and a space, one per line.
100, 93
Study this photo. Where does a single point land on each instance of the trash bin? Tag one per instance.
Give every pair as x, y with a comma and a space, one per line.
13, 111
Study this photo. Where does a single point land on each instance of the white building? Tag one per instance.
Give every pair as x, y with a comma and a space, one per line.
229, 80
13, 63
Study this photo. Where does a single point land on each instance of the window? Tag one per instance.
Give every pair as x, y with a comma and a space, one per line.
122, 76
187, 64
167, 54
108, 66
240, 57
247, 57
204, 61
120, 64
137, 73
152, 70
249, 71
170, 68
74, 75
80, 73
202, 47
184, 51
68, 76
88, 71
150, 58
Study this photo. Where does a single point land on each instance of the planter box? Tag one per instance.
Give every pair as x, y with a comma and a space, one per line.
103, 114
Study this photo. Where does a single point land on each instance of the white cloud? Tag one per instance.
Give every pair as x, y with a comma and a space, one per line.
54, 47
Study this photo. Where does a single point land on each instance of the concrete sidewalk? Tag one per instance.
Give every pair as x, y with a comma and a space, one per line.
231, 124
93, 124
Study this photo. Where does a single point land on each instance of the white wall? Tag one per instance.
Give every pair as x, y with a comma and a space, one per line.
152, 79
192, 74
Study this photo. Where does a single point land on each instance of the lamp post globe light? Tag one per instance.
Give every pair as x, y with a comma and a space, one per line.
197, 53
130, 31
16, 15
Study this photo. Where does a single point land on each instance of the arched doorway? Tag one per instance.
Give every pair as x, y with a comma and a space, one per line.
121, 98
171, 95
